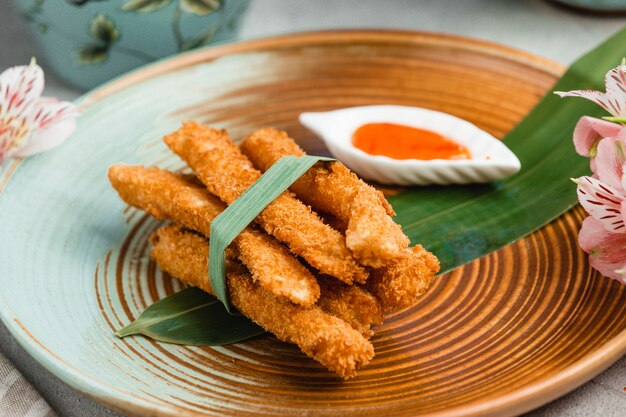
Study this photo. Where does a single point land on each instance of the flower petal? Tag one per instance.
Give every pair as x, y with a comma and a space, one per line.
602, 202
47, 138
589, 130
593, 166
30, 123
621, 274
53, 122
20, 88
49, 110
610, 162
615, 96
6, 135
592, 95
614, 99
607, 251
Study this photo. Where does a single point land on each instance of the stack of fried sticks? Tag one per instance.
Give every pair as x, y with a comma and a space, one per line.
319, 279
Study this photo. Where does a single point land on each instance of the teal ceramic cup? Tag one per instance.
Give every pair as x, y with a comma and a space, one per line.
87, 42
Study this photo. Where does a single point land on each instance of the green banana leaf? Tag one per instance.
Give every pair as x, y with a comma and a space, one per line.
191, 317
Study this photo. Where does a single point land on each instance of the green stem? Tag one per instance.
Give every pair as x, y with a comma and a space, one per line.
615, 119
178, 35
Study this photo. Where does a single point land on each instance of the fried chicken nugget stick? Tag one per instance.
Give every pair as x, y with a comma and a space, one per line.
351, 303
400, 284
321, 336
227, 173
168, 196
398, 281
372, 236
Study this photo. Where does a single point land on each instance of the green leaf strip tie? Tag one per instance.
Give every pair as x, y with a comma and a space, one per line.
227, 226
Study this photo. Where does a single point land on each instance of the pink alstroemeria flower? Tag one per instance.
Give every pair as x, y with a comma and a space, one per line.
603, 235
607, 251
29, 123
603, 196
602, 202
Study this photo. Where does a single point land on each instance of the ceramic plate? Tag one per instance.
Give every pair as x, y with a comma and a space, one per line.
499, 336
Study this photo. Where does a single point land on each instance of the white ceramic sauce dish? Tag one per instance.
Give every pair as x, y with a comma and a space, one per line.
490, 159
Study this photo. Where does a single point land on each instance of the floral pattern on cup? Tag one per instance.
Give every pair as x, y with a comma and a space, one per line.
197, 7
105, 33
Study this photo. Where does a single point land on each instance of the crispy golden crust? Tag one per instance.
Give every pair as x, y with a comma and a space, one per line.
399, 285
169, 197
227, 173
323, 337
275, 268
334, 222
401, 274
428, 258
351, 303
165, 196
183, 255
372, 236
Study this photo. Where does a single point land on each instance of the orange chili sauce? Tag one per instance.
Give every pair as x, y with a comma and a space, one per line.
406, 142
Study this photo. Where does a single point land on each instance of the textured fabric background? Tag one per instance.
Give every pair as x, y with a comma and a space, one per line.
17, 397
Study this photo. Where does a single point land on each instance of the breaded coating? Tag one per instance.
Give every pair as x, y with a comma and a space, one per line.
323, 337
351, 303
400, 284
227, 173
428, 258
402, 274
371, 234
334, 222
167, 196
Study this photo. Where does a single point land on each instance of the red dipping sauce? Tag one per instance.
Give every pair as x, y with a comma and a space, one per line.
406, 142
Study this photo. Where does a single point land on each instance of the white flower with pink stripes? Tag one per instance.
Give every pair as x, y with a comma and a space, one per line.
30, 123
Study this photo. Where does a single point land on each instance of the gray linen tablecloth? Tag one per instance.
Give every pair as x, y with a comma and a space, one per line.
17, 396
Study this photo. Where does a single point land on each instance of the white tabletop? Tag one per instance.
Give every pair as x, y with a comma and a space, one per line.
532, 25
